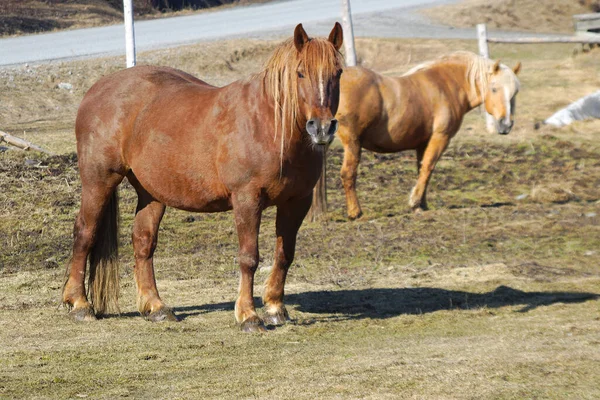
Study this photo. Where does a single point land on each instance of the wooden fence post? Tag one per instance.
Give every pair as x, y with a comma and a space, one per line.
129, 32
348, 34
485, 52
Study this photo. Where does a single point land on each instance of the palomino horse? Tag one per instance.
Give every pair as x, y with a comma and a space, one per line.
420, 110
186, 144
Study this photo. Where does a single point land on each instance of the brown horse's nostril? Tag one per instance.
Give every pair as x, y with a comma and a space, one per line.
333, 127
312, 126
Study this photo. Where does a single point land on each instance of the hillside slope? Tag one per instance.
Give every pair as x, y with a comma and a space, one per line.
522, 15
19, 17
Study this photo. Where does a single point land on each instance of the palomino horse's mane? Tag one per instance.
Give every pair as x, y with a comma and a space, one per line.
319, 59
477, 69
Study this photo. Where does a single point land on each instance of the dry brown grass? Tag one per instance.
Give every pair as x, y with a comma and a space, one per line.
19, 17
491, 294
34, 16
521, 15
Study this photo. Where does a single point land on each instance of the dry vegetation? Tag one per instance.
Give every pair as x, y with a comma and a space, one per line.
491, 294
521, 15
34, 16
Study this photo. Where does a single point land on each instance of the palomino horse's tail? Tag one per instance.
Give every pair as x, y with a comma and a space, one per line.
103, 281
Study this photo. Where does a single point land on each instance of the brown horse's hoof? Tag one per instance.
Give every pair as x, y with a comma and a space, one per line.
278, 318
163, 314
82, 314
253, 324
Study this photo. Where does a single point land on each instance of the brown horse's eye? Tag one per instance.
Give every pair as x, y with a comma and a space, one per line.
494, 90
300, 74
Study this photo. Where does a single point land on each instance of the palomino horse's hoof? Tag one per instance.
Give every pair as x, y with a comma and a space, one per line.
354, 216
419, 210
82, 314
278, 318
253, 324
163, 314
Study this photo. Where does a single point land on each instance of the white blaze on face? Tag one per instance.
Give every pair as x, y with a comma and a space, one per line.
507, 105
321, 87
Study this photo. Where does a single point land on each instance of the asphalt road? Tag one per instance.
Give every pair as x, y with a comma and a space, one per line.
374, 18
263, 20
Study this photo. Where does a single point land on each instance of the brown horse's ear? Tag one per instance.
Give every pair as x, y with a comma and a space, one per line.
496, 67
337, 36
517, 68
300, 37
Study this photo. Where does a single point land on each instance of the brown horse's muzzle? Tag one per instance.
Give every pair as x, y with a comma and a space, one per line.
321, 132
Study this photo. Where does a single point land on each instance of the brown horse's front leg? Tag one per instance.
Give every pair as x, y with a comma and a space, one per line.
289, 219
427, 158
352, 151
247, 210
148, 215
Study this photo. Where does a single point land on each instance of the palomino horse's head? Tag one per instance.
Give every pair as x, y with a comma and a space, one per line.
502, 89
303, 77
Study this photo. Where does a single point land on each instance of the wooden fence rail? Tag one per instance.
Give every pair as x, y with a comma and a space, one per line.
532, 40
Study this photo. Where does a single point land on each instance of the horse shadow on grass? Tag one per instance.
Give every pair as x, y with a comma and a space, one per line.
382, 303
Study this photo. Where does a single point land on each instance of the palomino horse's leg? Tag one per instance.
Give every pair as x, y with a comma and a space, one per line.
289, 219
247, 210
94, 198
148, 215
352, 151
430, 156
420, 153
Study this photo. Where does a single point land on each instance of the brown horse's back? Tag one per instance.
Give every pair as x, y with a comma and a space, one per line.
108, 111
122, 119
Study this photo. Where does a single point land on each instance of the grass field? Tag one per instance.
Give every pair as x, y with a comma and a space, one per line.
493, 294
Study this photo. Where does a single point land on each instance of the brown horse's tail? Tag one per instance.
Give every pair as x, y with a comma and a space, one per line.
103, 280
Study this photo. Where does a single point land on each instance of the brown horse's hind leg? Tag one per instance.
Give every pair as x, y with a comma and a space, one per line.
289, 219
427, 158
247, 210
352, 151
148, 215
94, 199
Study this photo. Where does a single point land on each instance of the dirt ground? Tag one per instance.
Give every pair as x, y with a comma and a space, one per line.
550, 16
494, 293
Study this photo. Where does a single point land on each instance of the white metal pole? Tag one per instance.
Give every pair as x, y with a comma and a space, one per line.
348, 34
484, 51
129, 32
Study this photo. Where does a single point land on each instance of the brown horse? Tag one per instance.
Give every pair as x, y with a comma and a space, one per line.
186, 144
420, 110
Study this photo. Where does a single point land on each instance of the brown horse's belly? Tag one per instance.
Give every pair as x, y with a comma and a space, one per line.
194, 192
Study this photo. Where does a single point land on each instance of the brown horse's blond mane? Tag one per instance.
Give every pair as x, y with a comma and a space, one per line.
317, 58
477, 69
